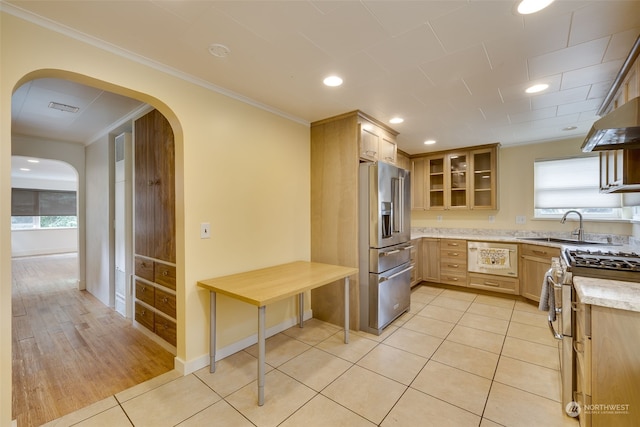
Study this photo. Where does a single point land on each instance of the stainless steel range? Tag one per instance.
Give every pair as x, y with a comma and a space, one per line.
623, 266
601, 264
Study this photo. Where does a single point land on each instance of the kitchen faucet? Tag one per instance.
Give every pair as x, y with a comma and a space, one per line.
580, 231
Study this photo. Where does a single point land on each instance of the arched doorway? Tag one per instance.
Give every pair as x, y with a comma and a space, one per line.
75, 345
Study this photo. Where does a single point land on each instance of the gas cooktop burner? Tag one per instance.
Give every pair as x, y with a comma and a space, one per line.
604, 264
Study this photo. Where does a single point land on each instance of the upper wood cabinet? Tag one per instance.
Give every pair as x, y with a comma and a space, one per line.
483, 178
402, 160
461, 179
155, 225
619, 171
377, 142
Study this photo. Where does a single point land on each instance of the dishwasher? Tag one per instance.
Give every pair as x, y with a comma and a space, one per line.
495, 258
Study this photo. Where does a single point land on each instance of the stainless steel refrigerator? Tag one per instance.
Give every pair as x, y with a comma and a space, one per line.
384, 204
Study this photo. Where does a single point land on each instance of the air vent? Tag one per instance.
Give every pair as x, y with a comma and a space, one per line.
64, 107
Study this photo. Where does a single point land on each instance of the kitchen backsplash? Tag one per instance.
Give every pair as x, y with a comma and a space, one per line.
480, 232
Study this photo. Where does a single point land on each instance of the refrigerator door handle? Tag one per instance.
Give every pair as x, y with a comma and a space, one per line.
397, 189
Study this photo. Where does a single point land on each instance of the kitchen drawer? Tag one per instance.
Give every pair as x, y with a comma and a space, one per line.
453, 278
453, 244
453, 250
165, 275
494, 283
145, 292
453, 266
539, 251
145, 316
165, 302
166, 329
144, 268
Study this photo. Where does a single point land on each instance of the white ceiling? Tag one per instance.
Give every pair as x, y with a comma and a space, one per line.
454, 70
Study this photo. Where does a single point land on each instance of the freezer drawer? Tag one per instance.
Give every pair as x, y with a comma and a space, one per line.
389, 295
384, 259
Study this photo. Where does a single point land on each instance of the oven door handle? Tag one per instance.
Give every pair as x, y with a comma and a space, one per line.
558, 310
556, 335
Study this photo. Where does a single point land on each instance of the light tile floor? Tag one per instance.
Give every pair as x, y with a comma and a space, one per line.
456, 359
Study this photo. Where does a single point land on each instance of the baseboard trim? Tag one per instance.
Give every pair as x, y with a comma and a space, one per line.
187, 367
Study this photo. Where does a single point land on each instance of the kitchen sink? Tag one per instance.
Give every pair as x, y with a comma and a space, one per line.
565, 241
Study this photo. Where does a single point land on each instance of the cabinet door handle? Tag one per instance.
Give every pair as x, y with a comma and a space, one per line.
453, 265
165, 300
453, 253
165, 273
491, 284
452, 244
539, 252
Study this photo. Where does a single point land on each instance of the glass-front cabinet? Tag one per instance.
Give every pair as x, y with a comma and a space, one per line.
483, 165
460, 179
458, 195
435, 182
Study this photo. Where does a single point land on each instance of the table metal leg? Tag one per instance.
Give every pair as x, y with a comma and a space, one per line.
301, 310
212, 331
261, 353
346, 310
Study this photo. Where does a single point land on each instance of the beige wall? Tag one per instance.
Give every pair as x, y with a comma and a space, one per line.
243, 169
515, 191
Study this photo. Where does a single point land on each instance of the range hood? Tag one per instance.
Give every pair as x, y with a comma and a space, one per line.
618, 129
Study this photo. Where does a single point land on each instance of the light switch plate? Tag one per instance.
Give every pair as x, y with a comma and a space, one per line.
521, 219
205, 230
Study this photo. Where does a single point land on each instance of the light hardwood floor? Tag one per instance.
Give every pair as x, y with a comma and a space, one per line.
69, 349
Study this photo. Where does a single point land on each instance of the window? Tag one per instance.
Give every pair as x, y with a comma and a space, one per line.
572, 183
34, 209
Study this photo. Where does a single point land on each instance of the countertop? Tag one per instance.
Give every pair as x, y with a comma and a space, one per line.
603, 292
608, 293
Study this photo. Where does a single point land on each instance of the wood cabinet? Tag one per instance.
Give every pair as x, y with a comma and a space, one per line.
535, 260
607, 355
418, 173
430, 258
155, 229
453, 262
416, 261
155, 225
338, 144
377, 142
483, 178
619, 171
461, 179
403, 161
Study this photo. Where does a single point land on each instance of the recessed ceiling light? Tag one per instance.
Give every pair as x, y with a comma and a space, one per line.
63, 107
430, 142
396, 120
33, 161
332, 81
219, 50
25, 169
570, 128
537, 88
526, 7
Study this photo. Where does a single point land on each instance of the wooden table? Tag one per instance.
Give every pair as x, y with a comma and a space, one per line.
268, 285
